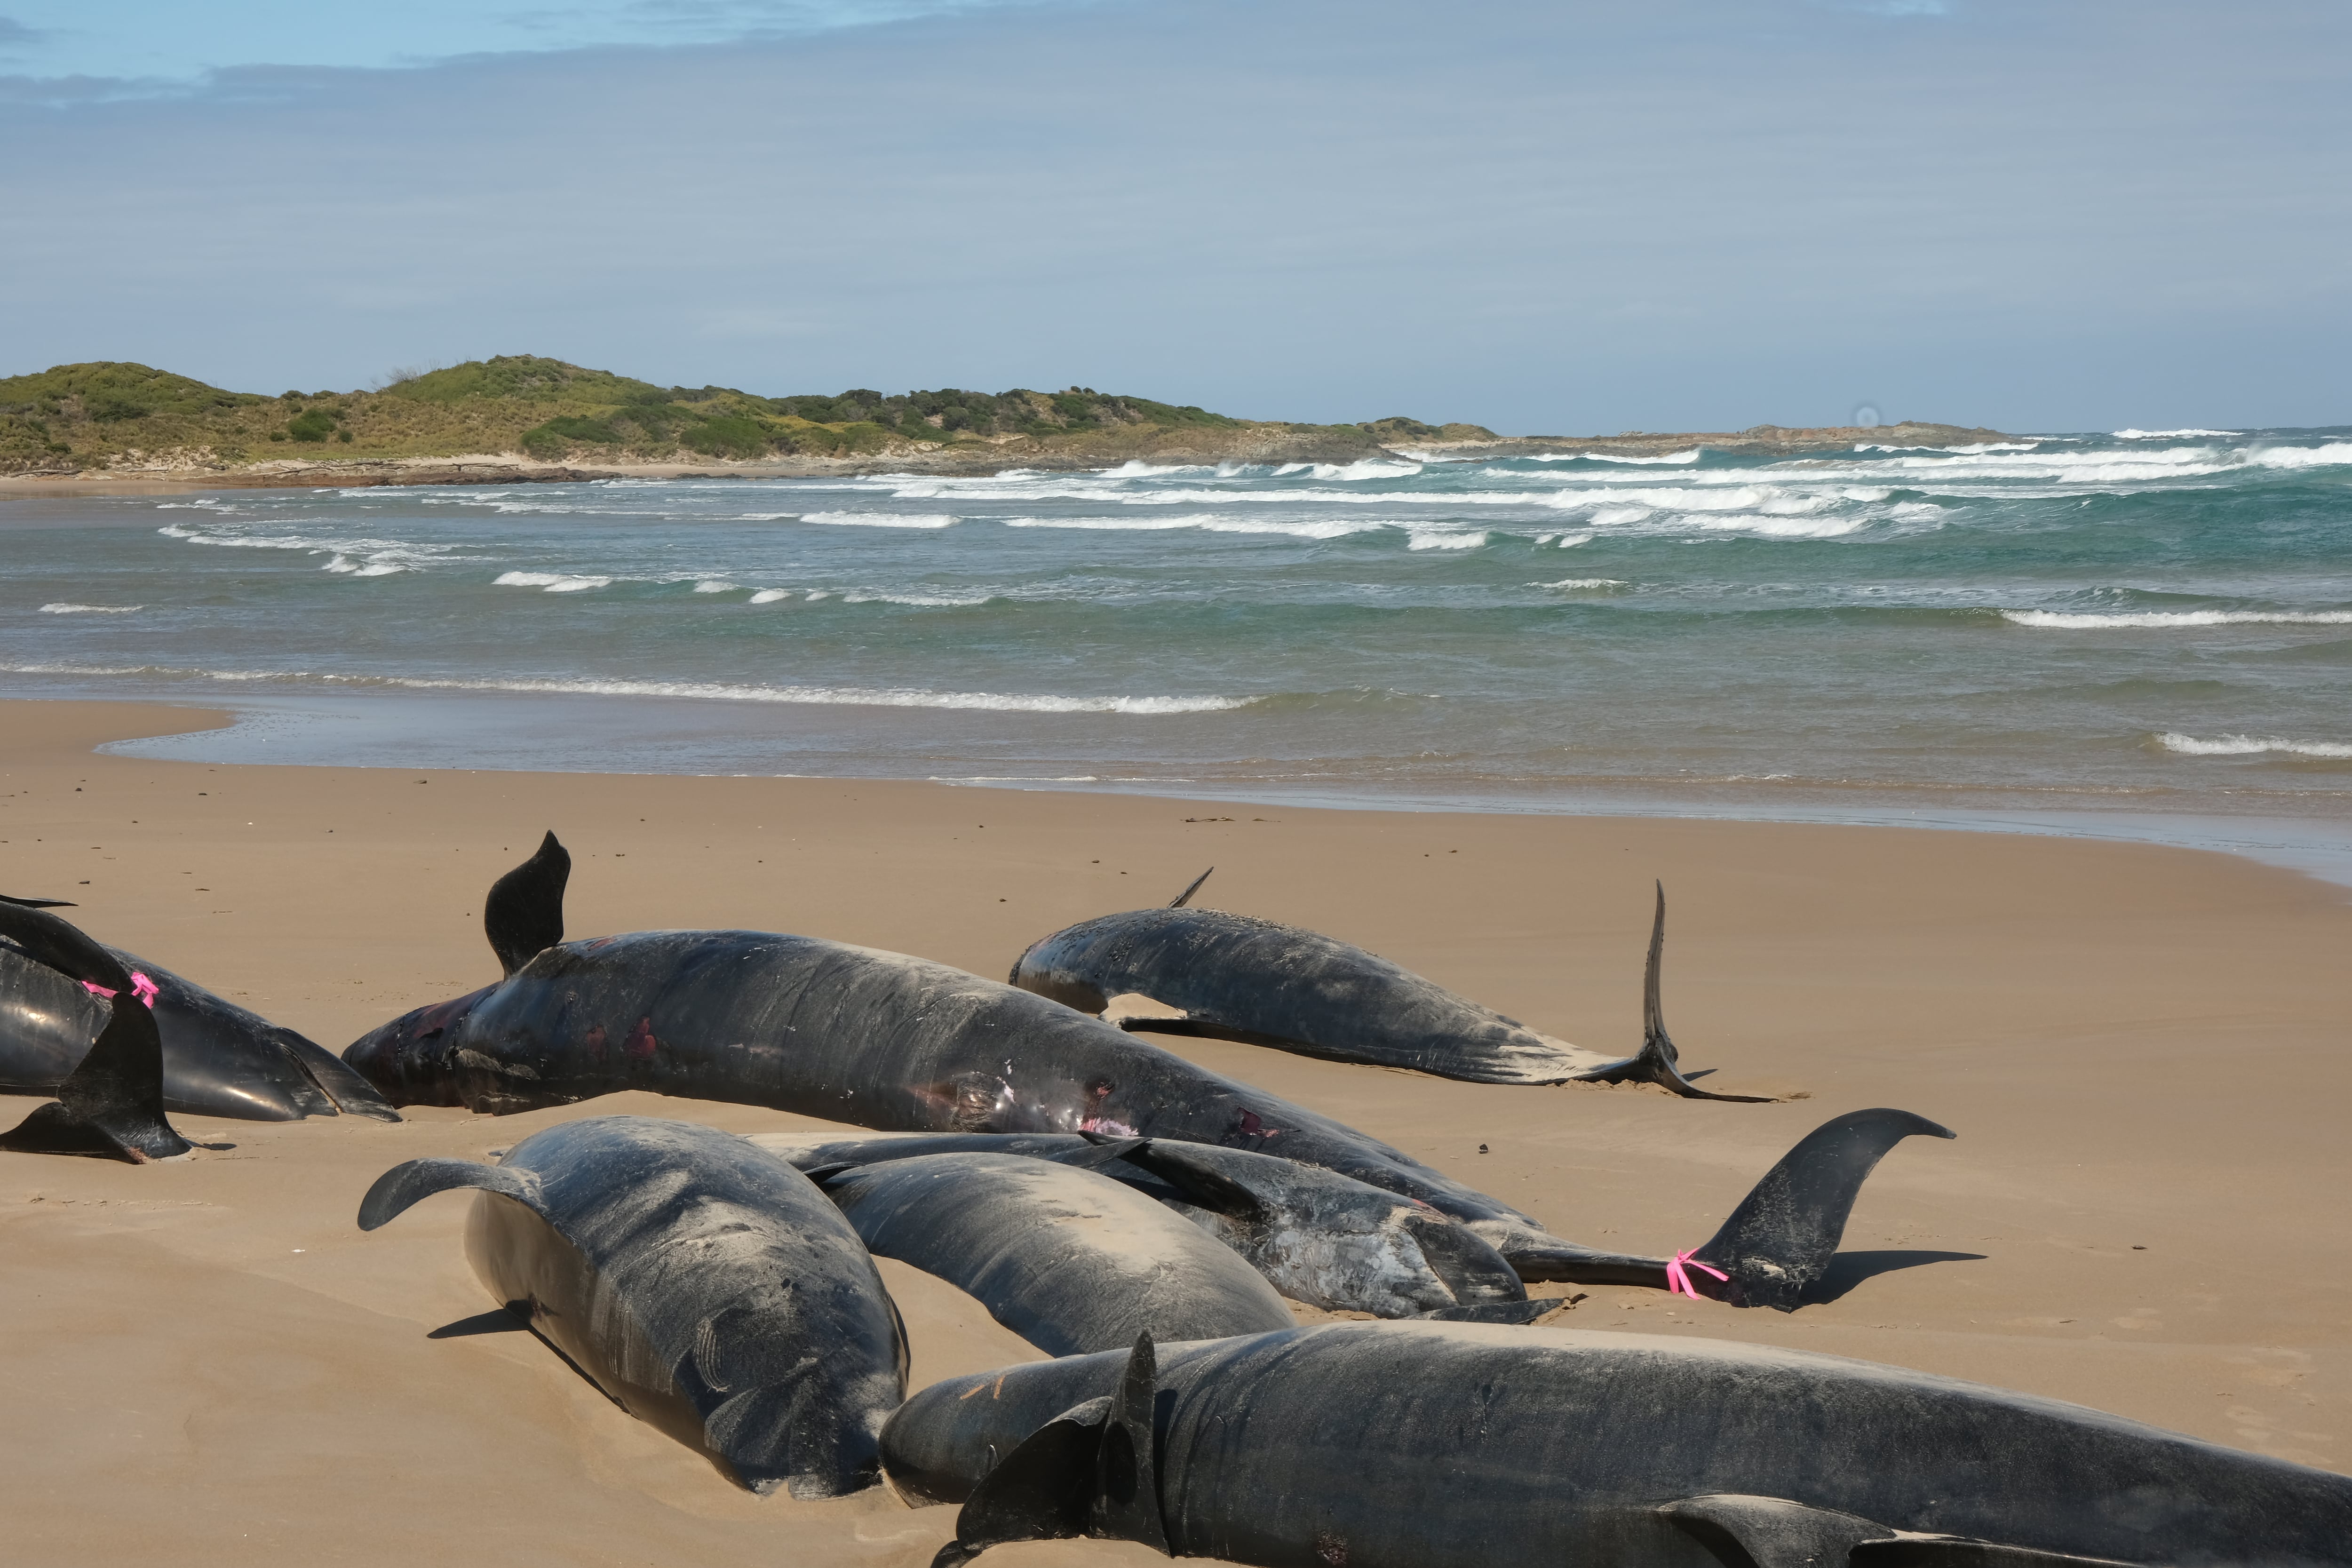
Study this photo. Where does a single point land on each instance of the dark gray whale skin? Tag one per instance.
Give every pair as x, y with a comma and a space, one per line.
1239, 977
884, 1040
1069, 1261
1318, 1236
1461, 1445
219, 1060
706, 1287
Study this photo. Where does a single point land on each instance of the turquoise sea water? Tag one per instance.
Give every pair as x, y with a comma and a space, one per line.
2152, 622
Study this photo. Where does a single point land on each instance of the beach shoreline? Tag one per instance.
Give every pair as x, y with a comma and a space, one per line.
2140, 1046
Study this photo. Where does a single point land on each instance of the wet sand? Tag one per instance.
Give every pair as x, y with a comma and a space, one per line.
2144, 1051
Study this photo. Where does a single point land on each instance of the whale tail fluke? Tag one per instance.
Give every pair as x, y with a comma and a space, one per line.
1780, 1238
415, 1180
112, 1105
1093, 1470
1657, 1061
1180, 899
523, 915
1777, 1244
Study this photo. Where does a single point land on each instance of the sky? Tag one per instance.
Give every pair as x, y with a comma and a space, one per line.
1551, 217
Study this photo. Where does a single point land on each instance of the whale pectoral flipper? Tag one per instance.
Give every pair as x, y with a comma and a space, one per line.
38, 903
523, 913
1772, 1532
412, 1180
1199, 1179
1657, 1061
1783, 1233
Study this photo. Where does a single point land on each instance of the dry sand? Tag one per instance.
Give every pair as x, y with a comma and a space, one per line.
2143, 1050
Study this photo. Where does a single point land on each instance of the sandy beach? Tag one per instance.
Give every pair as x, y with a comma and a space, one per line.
2142, 1050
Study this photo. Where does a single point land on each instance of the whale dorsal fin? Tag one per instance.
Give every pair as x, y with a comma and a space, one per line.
1091, 1471
1180, 899
412, 1180
523, 915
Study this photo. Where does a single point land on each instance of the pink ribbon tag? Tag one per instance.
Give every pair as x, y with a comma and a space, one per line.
147, 991
1678, 1280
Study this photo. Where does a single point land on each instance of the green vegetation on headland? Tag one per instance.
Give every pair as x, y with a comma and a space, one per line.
515, 411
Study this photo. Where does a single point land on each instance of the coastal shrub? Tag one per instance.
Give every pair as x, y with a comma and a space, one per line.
343, 436
729, 436
312, 424
565, 431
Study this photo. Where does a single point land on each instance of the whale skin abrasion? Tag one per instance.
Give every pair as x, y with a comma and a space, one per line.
1463, 1446
219, 1060
884, 1040
706, 1287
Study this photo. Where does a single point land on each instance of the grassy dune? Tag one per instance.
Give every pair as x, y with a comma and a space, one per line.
119, 415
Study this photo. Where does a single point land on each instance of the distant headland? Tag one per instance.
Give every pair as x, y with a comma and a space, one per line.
522, 418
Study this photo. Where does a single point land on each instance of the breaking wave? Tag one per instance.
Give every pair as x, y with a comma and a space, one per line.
2250, 746
824, 696
66, 609
2064, 620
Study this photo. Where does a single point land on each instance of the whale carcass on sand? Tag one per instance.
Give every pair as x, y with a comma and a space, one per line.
1318, 1236
706, 1287
1069, 1261
1461, 1445
219, 1060
884, 1040
1236, 977
112, 1104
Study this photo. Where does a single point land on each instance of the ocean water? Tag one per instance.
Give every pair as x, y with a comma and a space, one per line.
2144, 622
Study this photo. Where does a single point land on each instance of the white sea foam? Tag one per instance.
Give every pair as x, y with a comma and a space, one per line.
66, 609
1443, 538
2334, 454
1137, 469
1775, 527
1112, 524
2062, 620
2169, 435
882, 518
347, 556
2250, 746
1613, 516
825, 695
716, 585
1583, 585
553, 582
927, 601
774, 596
1691, 456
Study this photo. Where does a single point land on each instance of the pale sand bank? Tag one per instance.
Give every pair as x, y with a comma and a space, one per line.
2138, 1046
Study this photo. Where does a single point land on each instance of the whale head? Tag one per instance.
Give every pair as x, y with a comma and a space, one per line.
413, 1059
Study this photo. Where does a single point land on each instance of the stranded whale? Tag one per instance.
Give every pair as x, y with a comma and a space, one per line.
111, 1104
884, 1040
1318, 1236
1236, 977
1458, 1445
1069, 1261
219, 1060
706, 1287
